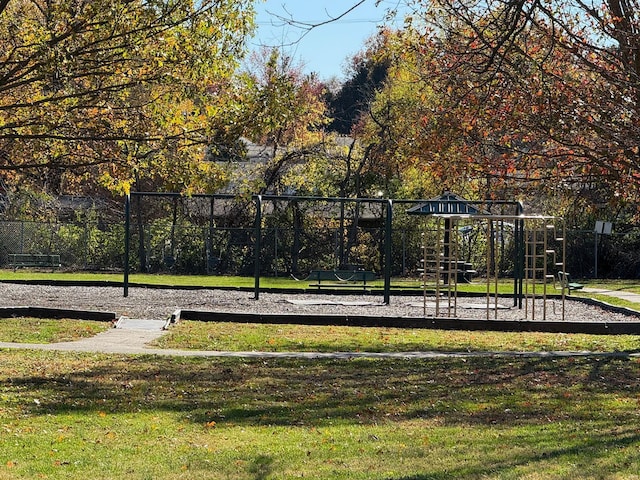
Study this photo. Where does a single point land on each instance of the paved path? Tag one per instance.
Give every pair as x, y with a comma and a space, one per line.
114, 340
134, 342
621, 294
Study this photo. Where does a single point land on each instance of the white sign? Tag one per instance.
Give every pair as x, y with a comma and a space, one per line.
603, 228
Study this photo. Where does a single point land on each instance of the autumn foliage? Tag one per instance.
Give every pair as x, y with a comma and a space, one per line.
115, 91
532, 100
525, 98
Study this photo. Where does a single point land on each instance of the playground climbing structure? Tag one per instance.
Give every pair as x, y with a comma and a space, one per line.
536, 248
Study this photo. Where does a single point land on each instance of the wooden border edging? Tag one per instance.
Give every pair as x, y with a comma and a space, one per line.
617, 328
45, 312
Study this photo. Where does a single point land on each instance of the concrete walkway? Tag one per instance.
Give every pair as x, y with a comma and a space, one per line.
621, 294
114, 340
134, 342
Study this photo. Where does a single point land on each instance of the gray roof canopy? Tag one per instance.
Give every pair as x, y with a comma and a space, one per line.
446, 204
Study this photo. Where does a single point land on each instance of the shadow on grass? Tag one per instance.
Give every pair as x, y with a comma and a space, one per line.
482, 391
586, 448
261, 467
551, 398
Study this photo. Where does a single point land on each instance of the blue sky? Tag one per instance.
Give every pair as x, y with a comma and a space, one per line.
325, 49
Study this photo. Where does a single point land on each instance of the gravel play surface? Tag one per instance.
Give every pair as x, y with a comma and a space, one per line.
152, 303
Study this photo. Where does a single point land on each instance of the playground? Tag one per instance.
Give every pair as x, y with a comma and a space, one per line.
331, 245
291, 235
530, 405
460, 242
113, 405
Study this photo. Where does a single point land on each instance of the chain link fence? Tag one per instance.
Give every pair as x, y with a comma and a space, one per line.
80, 246
175, 240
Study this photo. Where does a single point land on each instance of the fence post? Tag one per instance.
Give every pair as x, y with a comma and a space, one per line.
257, 246
22, 236
387, 252
127, 221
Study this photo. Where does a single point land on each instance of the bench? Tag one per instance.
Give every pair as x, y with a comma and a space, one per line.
346, 278
20, 260
565, 282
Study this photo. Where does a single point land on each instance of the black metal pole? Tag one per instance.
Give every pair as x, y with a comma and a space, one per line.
209, 244
257, 247
341, 261
519, 268
127, 230
387, 252
520, 258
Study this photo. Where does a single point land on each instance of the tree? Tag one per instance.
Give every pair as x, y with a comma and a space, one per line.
284, 110
399, 154
352, 100
555, 87
117, 90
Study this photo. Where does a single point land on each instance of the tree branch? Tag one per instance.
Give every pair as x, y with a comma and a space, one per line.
3, 5
307, 27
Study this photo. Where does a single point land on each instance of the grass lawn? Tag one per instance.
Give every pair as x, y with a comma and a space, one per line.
228, 336
41, 330
66, 415
305, 338
78, 415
